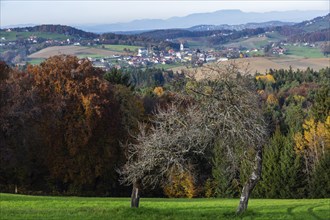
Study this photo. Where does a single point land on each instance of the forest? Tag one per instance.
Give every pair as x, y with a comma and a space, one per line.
68, 128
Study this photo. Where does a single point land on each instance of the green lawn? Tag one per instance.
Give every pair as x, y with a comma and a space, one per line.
35, 61
303, 51
35, 207
167, 66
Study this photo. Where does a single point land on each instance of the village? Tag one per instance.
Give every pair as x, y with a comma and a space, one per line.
28, 43
147, 58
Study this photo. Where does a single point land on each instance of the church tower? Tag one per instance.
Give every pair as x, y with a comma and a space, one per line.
181, 47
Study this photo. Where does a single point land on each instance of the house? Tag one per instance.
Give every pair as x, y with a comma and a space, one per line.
104, 66
278, 50
221, 59
210, 59
142, 52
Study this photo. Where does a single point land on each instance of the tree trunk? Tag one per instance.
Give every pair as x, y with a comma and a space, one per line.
250, 183
135, 197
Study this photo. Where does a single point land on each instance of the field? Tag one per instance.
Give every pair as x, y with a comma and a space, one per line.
196, 43
73, 50
304, 51
263, 64
35, 207
119, 48
253, 42
35, 61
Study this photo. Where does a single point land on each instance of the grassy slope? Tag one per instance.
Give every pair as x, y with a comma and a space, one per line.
12, 36
253, 42
33, 207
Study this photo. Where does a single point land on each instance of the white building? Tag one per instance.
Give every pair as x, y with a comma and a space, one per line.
181, 47
142, 52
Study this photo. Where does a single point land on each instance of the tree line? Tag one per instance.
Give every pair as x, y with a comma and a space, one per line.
71, 129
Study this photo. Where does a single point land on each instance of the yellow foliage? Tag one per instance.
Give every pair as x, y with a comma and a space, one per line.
209, 188
159, 91
272, 100
267, 78
191, 85
315, 140
300, 144
181, 185
298, 98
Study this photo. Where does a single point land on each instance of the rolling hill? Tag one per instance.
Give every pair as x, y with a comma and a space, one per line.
55, 29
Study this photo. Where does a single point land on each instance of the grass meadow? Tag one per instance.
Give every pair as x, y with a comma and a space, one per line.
44, 207
35, 61
304, 51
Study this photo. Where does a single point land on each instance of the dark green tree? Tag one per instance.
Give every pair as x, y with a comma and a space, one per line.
320, 180
282, 175
321, 107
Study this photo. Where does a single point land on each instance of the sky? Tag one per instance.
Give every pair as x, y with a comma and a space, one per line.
66, 12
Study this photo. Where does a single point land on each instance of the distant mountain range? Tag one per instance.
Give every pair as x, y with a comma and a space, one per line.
239, 27
229, 17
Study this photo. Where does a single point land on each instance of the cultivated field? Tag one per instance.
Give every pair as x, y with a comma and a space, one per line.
263, 64
34, 207
119, 48
72, 50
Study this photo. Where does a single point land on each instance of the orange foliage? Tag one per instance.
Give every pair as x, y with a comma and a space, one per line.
159, 91
80, 119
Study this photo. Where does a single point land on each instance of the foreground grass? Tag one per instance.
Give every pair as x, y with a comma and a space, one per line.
36, 207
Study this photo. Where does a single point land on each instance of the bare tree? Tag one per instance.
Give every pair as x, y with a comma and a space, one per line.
224, 110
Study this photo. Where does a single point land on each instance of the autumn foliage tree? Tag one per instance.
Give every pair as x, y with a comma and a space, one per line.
314, 142
70, 125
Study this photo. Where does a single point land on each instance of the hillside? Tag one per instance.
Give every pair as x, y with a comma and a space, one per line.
314, 30
316, 24
240, 26
57, 29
